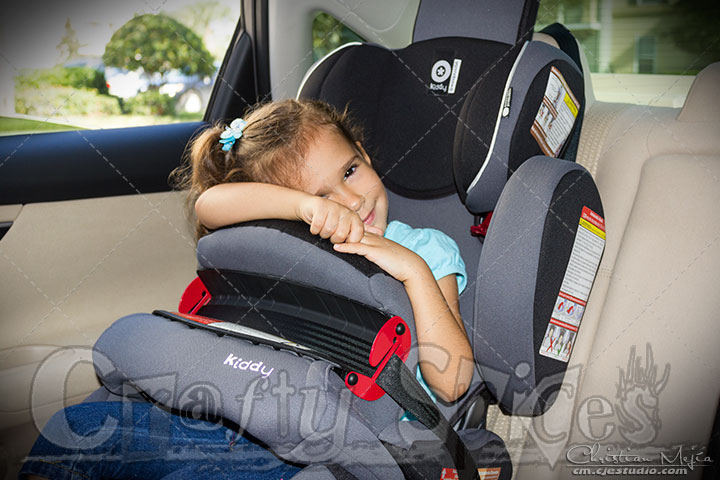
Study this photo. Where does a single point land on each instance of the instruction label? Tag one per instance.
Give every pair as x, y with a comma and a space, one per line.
575, 289
556, 116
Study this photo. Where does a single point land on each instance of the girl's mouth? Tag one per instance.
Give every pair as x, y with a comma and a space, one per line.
371, 216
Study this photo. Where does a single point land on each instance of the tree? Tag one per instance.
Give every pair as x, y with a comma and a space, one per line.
198, 16
158, 44
329, 33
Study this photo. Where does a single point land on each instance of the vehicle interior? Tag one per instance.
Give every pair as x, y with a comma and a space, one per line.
91, 231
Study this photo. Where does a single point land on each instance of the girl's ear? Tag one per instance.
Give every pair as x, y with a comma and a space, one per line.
363, 152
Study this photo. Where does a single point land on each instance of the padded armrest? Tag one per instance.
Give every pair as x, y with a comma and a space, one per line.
286, 249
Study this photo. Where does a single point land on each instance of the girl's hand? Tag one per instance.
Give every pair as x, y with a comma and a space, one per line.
446, 359
398, 261
330, 219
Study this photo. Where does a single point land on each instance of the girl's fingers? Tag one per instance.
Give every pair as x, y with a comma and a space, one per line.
373, 229
371, 239
331, 224
317, 223
357, 231
341, 232
354, 248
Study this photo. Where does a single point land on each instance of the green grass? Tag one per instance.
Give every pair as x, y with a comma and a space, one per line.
18, 126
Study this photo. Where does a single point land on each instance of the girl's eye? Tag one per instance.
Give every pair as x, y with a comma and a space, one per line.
350, 171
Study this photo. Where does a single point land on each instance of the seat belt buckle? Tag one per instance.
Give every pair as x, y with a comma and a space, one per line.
482, 223
393, 338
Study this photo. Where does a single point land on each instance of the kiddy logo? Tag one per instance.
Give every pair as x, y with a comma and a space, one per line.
440, 73
237, 362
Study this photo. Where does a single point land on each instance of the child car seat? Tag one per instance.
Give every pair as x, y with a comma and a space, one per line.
284, 327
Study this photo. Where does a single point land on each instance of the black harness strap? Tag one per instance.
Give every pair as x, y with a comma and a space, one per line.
402, 386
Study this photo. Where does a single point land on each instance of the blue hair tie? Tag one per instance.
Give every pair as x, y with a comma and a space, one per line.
232, 133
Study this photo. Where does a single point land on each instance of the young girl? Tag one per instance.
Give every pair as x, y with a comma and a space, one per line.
298, 160
302, 160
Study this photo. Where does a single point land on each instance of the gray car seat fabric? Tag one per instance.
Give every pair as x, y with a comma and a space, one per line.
295, 405
506, 21
324, 472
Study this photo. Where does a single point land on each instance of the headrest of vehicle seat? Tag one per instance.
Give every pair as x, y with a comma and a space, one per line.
507, 21
538, 263
422, 105
703, 100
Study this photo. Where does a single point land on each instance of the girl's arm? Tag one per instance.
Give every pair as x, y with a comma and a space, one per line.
446, 359
445, 355
230, 203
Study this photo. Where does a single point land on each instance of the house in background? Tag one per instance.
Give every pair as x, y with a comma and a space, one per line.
641, 51
634, 36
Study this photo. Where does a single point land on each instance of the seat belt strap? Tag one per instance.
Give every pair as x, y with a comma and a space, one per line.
399, 382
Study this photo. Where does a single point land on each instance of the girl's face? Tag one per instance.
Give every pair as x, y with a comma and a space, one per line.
339, 171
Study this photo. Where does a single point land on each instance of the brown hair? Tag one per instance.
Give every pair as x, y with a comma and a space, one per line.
271, 149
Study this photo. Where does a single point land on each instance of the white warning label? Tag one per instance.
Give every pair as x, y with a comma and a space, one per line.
570, 303
556, 115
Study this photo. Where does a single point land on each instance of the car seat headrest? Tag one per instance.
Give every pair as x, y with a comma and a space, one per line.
407, 102
507, 21
526, 106
476, 109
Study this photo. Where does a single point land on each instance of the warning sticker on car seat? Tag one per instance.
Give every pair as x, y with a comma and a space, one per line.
579, 276
556, 116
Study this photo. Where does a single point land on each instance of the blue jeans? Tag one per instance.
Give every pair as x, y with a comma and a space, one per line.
138, 440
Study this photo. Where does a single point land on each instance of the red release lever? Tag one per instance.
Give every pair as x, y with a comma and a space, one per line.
392, 339
195, 296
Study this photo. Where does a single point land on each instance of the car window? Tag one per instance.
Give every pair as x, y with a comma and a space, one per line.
329, 33
89, 64
640, 51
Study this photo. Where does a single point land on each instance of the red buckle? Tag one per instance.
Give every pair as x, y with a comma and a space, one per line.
195, 296
393, 339
481, 229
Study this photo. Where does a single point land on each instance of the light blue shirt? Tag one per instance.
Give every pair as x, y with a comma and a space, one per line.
439, 251
442, 255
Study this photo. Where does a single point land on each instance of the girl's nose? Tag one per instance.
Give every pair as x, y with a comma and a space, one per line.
354, 201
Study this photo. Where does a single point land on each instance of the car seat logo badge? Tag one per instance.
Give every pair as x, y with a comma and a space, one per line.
236, 362
444, 76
